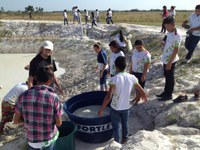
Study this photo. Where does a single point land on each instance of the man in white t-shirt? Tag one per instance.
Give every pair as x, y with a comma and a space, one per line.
9, 102
86, 16
97, 15
110, 15
65, 17
120, 90
193, 34
170, 57
75, 14
116, 52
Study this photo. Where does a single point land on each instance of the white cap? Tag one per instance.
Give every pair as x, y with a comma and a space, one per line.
47, 45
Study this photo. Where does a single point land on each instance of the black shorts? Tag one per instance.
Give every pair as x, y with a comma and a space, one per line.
104, 77
139, 77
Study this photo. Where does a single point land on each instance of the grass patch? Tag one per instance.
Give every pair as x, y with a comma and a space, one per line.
5, 33
172, 119
144, 18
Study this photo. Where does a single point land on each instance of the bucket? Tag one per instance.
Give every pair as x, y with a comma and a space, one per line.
91, 130
66, 139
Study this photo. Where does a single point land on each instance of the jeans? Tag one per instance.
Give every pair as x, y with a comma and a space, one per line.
93, 22
163, 27
65, 21
51, 147
169, 80
190, 44
119, 117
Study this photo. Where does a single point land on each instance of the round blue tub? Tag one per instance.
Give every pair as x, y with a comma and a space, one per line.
92, 130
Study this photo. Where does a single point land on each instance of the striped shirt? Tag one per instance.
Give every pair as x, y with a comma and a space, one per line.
39, 106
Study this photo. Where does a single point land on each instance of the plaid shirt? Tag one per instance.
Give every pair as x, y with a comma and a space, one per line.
39, 107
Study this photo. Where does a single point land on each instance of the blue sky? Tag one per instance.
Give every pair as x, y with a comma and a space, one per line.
54, 5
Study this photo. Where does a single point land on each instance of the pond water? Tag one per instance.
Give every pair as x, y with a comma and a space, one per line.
12, 70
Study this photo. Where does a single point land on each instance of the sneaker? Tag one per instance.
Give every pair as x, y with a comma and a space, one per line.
181, 98
161, 95
165, 98
187, 61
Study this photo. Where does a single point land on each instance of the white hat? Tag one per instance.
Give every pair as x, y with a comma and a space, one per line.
47, 45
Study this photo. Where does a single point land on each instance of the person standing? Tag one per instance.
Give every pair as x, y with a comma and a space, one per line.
79, 17
9, 102
97, 15
172, 12
164, 15
110, 15
140, 63
93, 19
116, 52
102, 65
86, 16
193, 34
120, 90
75, 14
121, 40
170, 57
43, 58
65, 17
39, 108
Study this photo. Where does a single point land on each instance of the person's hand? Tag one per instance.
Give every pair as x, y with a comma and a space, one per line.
143, 78
100, 113
143, 97
101, 74
168, 66
190, 30
163, 43
60, 90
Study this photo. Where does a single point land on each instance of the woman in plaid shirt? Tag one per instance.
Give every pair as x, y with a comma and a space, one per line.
40, 110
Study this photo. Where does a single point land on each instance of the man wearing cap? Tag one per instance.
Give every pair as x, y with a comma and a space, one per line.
43, 58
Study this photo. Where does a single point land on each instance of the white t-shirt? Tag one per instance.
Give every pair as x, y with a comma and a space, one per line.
113, 57
124, 85
86, 14
139, 59
97, 14
109, 13
122, 44
194, 21
172, 13
173, 41
12, 96
75, 12
65, 15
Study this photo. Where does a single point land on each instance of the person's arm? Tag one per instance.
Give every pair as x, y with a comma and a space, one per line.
30, 81
146, 68
130, 70
169, 65
177, 42
18, 118
106, 100
141, 91
58, 84
58, 121
193, 29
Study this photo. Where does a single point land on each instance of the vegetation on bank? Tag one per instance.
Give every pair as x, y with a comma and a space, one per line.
133, 17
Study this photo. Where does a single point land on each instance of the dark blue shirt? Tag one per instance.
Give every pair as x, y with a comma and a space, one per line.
102, 57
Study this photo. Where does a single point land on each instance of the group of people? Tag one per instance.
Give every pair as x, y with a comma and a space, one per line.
122, 83
37, 105
94, 18
35, 102
166, 13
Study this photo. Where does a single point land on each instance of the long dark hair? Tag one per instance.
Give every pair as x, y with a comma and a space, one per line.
121, 36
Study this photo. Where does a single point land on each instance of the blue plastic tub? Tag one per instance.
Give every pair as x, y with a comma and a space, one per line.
92, 130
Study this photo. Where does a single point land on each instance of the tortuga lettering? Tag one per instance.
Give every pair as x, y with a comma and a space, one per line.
94, 129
